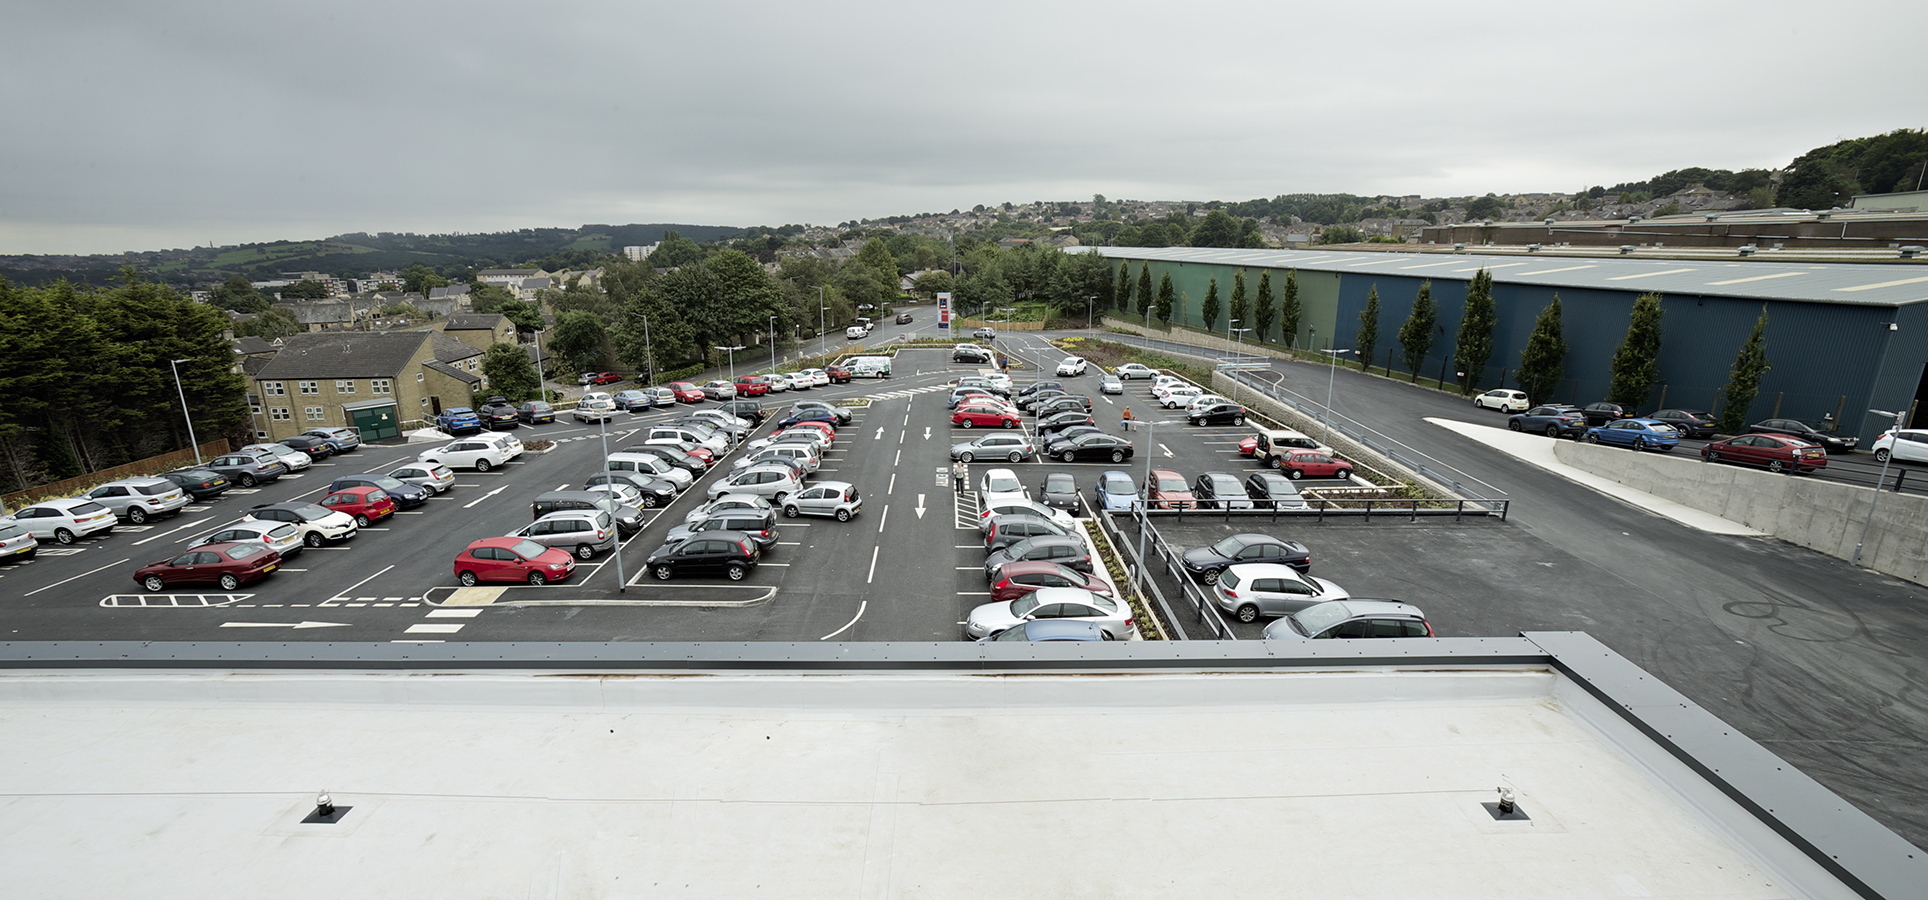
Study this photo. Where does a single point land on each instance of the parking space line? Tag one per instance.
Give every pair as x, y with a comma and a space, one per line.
435, 628
453, 613
81, 575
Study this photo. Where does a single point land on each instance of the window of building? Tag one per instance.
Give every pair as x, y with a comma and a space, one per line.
280, 414
254, 408
471, 365
421, 377
311, 387
344, 386
261, 436
314, 413
382, 386
274, 388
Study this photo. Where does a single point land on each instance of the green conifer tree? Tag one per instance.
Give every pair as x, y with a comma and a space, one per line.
1542, 361
1474, 344
1367, 340
1744, 381
1636, 364
1416, 336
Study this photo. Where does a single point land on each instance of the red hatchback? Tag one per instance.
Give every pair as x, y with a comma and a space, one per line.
751, 386
1778, 453
838, 374
367, 504
973, 416
1020, 578
1312, 464
227, 565
686, 392
512, 559
1167, 489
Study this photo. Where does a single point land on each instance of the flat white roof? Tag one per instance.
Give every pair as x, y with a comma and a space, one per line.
1337, 781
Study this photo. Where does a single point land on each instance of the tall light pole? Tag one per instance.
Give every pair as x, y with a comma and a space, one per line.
1090, 305
1238, 358
1331, 376
823, 339
1144, 509
732, 352
622, 583
773, 344
649, 353
1877, 487
175, 364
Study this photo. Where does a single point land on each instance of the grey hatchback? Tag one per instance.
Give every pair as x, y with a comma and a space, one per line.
1352, 619
584, 532
839, 500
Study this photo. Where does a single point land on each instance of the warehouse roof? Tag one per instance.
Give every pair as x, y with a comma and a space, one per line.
1862, 284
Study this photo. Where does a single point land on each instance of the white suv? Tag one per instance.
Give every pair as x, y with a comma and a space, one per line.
477, 453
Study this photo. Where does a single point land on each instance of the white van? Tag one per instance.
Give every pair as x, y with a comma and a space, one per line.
870, 366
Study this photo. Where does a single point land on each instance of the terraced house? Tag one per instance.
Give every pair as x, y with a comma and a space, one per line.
379, 382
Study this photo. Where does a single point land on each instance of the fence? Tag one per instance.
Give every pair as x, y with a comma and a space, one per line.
1156, 547
150, 466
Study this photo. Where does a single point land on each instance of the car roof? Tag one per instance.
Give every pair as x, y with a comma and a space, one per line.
1027, 566
1062, 595
1357, 607
1267, 570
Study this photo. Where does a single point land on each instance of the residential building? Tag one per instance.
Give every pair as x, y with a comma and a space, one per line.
480, 330
375, 381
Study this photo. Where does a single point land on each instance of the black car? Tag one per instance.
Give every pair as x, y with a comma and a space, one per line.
498, 412
1218, 414
1821, 432
1220, 490
808, 415
1059, 421
1038, 398
249, 468
315, 447
1063, 549
959, 395
535, 412
1059, 491
748, 410
672, 455
730, 553
1205, 563
840, 415
759, 524
1068, 432
407, 496
1603, 412
971, 355
656, 491
1037, 386
1693, 423
201, 484
1008, 530
1273, 490
1062, 404
1552, 421
1091, 446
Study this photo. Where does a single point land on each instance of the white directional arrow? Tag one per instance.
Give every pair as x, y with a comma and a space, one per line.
294, 625
920, 506
506, 487
880, 433
1166, 450
927, 432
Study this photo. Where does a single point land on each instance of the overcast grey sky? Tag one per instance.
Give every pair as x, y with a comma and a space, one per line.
152, 125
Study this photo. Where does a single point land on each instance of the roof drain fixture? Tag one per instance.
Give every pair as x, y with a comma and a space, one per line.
325, 811
1506, 810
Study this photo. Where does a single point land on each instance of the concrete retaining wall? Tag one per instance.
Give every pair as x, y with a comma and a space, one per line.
1820, 515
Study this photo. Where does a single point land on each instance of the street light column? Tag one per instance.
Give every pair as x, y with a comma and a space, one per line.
1144, 511
188, 417
1331, 376
823, 339
1877, 484
773, 344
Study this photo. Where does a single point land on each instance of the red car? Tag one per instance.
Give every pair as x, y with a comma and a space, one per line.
829, 431
1312, 464
1777, 452
1019, 578
686, 392
512, 559
973, 416
599, 378
1167, 489
751, 386
838, 374
1249, 446
228, 565
366, 504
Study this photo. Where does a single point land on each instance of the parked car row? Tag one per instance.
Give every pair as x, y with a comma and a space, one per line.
1039, 566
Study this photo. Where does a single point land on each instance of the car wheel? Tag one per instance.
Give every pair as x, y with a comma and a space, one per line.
1593, 438
1296, 474
1238, 420
663, 573
538, 579
967, 423
584, 551
1553, 431
312, 539
1343, 474
1276, 462
1015, 456
1010, 423
1713, 456
843, 515
229, 582
1881, 455
1117, 456
1639, 444
153, 583
361, 519
1776, 466
246, 480
736, 572
1210, 576
481, 465
777, 498
1513, 424
792, 511
1068, 456
135, 516
1248, 613
63, 535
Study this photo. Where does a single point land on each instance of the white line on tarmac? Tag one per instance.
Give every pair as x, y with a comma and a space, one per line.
873, 565
343, 593
163, 534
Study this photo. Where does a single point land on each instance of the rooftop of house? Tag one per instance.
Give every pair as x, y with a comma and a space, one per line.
343, 354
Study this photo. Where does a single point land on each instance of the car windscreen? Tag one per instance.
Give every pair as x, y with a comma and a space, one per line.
527, 549
1229, 547
1003, 483
243, 551
1171, 484
1319, 616
310, 511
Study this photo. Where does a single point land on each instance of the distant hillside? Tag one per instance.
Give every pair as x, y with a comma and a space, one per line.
354, 255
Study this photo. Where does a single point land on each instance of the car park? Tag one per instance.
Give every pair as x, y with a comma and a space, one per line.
1000, 484
1093, 446
64, 520
1693, 423
248, 469
1130, 371
459, 420
1638, 434
838, 500
367, 505
17, 544
1110, 384
1270, 490
1251, 590
1205, 563
498, 412
1051, 630
1505, 400
1166, 489
840, 414
1552, 421
512, 559
1066, 550
1216, 414
1059, 491
470, 453
719, 390
316, 448
340, 439
1020, 578
280, 537
1351, 619
759, 525
1821, 432
1302, 464
406, 496
725, 553
227, 566
1902, 445
535, 412
201, 484
1072, 366
631, 400
1774, 452
317, 525
434, 476
774, 482
1051, 603
1008, 530
1220, 490
584, 532
1605, 411
1114, 491
141, 498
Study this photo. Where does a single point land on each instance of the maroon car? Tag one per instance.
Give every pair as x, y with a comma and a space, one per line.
1775, 452
1020, 578
226, 565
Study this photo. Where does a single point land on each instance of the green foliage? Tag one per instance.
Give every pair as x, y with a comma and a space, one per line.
1367, 339
1324, 209
1341, 234
1144, 291
1290, 309
488, 298
1164, 311
1265, 306
1486, 207
675, 250
1474, 344
1744, 380
525, 315
269, 325
305, 289
1636, 364
1671, 208
509, 371
1218, 229
580, 339
1241, 314
1416, 335
1543, 359
421, 279
930, 284
1209, 310
1121, 294
238, 294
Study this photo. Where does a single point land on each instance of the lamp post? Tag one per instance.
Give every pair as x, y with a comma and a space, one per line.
1090, 304
1331, 376
732, 352
1144, 508
1877, 487
649, 354
1238, 357
175, 364
622, 582
823, 340
773, 344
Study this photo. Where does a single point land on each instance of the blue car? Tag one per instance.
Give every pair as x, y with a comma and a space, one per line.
459, 420
1114, 492
1639, 434
808, 415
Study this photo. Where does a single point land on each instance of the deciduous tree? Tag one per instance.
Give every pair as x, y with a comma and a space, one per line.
509, 371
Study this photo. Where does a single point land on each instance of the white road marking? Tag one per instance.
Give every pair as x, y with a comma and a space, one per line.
434, 628
853, 620
343, 595
294, 625
81, 575
168, 532
920, 497
506, 487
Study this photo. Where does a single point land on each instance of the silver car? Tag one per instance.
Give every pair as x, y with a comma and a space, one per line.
1109, 384
774, 482
1009, 447
803, 455
281, 537
584, 532
727, 502
139, 499
1251, 590
1352, 619
17, 543
295, 460
838, 500
434, 476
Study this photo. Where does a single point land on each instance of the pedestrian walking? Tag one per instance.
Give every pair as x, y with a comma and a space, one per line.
1126, 424
960, 475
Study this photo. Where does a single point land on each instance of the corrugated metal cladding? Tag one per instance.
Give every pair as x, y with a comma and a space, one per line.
1829, 334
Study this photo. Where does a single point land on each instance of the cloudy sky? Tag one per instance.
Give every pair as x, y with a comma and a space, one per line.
144, 125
